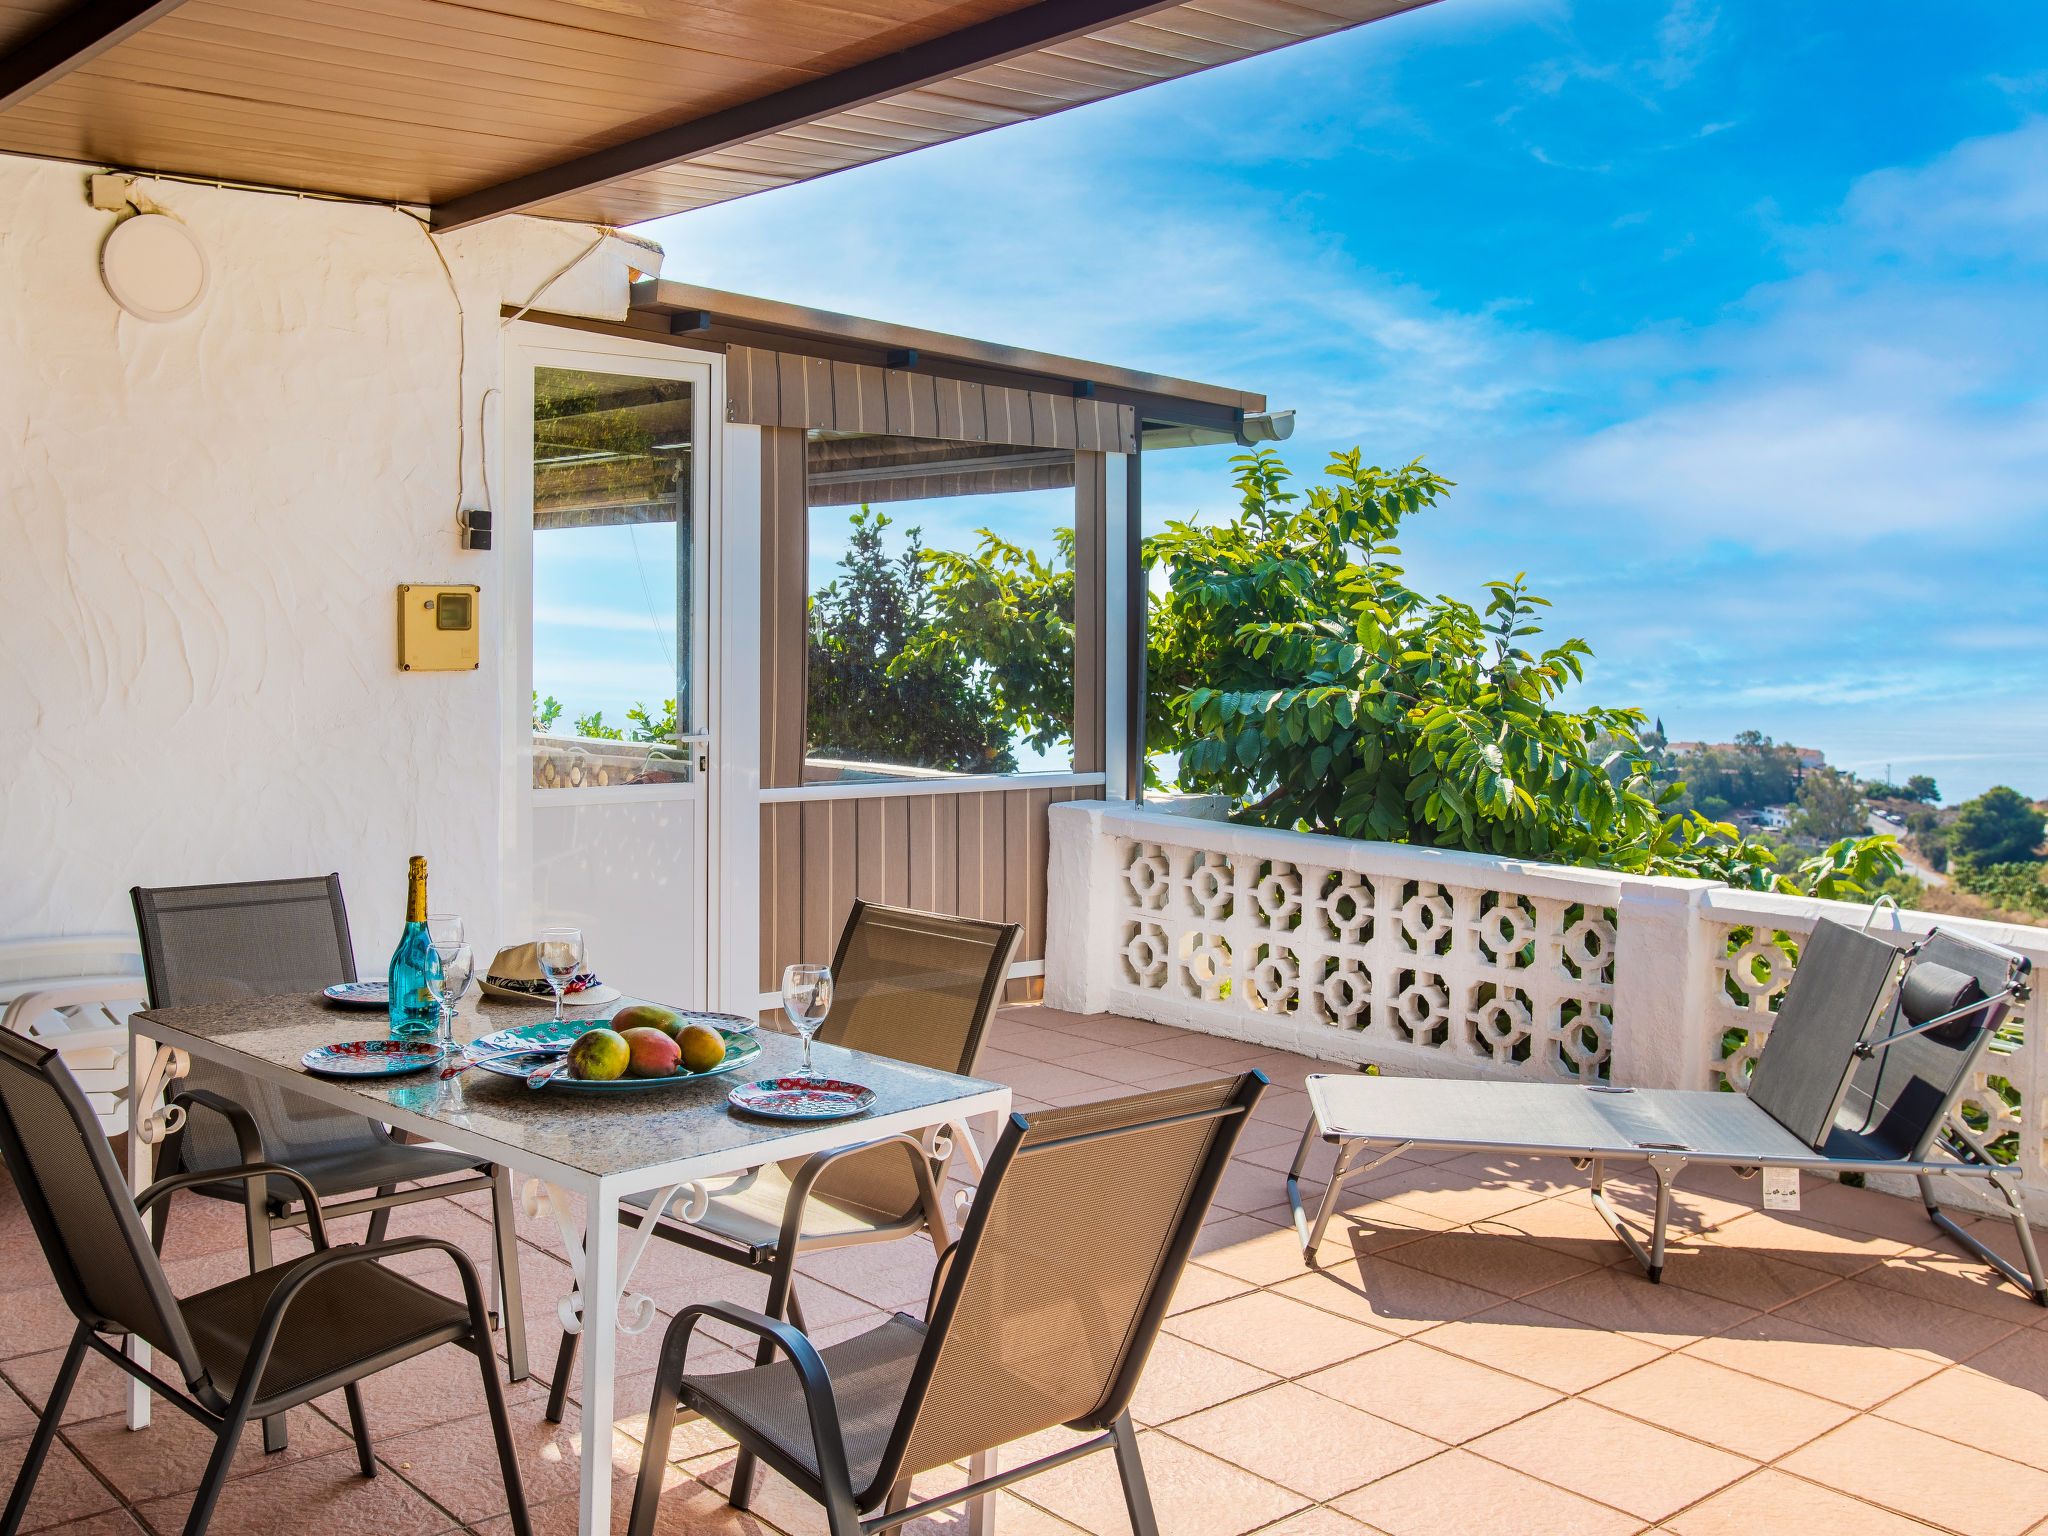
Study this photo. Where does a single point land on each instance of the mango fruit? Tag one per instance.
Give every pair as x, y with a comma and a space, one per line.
702, 1048
653, 1054
646, 1016
599, 1056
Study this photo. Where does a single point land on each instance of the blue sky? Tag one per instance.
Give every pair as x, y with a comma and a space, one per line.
1729, 320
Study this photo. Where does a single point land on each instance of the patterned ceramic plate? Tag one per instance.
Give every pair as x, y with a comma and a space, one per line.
739, 1050
372, 1058
359, 994
801, 1098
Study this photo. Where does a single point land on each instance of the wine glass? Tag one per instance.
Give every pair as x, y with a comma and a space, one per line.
458, 965
443, 928
807, 998
560, 952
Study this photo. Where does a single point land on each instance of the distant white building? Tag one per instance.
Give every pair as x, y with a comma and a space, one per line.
1778, 818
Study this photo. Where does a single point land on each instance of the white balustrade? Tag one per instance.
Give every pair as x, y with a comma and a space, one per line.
1430, 962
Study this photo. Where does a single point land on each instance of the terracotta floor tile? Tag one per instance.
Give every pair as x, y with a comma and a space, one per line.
1193, 1493
1198, 1287
1647, 1471
1182, 1378
16, 1416
1540, 1175
1623, 1299
456, 1464
1442, 1396
1277, 1333
1758, 1419
66, 1490
101, 1387
171, 1455
1259, 1134
1802, 1240
1931, 1479
1049, 1079
1965, 1404
1304, 1440
1871, 1314
115, 1522
1540, 1346
1373, 1226
1248, 1187
1768, 1502
1507, 1266
31, 1319
1132, 1068
1868, 1211
1460, 1493
1774, 1348
687, 1508
776, 1500
885, 1275
1253, 1250
1388, 1295
325, 1495
1208, 1050
1743, 1276
1456, 1199
1565, 1222
428, 1389
1320, 1521
1953, 1281
2019, 1359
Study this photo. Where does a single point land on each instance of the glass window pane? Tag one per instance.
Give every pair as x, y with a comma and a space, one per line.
612, 541
942, 609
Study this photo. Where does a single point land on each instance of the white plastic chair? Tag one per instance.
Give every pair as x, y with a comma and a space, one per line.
76, 994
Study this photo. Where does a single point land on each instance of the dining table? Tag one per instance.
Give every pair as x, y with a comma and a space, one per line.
569, 1146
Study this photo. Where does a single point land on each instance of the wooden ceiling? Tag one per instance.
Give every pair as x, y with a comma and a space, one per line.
575, 108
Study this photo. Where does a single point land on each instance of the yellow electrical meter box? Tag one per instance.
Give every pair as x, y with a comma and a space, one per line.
437, 629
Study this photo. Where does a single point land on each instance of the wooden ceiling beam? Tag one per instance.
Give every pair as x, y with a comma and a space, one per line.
79, 37
1041, 25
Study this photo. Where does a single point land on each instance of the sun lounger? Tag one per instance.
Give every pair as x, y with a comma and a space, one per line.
1866, 1058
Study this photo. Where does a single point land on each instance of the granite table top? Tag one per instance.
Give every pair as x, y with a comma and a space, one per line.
599, 1136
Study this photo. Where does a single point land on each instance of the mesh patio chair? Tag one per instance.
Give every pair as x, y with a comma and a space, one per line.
1875, 1041
221, 943
251, 1348
1042, 1314
914, 986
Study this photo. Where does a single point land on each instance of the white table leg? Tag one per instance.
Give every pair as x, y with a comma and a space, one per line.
981, 1512
600, 1355
146, 1127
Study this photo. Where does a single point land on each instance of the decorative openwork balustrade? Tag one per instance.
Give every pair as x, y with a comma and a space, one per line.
1433, 963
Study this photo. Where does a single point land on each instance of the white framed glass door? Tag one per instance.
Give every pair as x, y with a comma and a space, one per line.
611, 462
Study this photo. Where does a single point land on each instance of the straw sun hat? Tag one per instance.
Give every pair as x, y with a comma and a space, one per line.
516, 976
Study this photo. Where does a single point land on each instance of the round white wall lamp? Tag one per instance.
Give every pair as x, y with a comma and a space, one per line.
153, 267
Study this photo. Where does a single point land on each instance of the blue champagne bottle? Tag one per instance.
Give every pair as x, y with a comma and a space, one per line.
415, 968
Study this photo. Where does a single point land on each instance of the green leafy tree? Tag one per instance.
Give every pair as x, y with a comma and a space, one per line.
545, 713
591, 727
1755, 773
1922, 788
1007, 616
1830, 806
2000, 826
2016, 886
876, 693
1322, 692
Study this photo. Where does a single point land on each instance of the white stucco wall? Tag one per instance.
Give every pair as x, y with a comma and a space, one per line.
202, 524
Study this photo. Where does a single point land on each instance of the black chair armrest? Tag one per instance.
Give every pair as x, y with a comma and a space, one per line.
819, 1399
248, 1173
310, 1268
816, 1164
248, 1139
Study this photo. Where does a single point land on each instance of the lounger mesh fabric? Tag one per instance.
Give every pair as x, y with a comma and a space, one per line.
1072, 1243
1893, 1108
1842, 977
